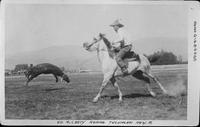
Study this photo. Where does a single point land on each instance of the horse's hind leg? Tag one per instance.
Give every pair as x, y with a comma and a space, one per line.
113, 81
104, 83
157, 81
140, 75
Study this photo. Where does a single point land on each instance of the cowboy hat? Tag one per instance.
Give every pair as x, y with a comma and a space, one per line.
117, 23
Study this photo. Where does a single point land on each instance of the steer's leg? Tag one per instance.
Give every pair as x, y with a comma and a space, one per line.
113, 81
61, 79
104, 83
29, 79
55, 77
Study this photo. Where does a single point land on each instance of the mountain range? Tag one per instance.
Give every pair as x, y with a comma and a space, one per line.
76, 57
70, 57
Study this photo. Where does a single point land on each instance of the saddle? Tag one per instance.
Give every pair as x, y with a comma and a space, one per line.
131, 56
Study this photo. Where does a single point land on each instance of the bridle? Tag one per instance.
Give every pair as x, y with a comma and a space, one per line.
98, 50
95, 41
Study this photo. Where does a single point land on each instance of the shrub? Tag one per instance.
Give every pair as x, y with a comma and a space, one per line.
163, 57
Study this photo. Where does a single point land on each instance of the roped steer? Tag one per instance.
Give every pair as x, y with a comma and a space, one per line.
45, 68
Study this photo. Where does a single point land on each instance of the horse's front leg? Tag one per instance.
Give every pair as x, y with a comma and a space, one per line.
104, 83
114, 83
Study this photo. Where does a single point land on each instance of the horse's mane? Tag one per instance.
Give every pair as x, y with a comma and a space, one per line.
109, 47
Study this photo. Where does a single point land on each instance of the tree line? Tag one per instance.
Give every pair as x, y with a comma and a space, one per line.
157, 58
164, 58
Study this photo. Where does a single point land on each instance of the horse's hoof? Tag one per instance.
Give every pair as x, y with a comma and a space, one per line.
165, 92
120, 101
95, 100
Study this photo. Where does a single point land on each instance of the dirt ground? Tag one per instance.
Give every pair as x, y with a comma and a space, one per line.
45, 99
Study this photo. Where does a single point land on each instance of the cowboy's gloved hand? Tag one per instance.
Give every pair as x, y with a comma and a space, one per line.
101, 35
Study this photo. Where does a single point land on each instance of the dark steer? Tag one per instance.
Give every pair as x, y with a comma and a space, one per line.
45, 68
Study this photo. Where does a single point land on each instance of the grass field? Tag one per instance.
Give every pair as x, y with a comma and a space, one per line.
45, 99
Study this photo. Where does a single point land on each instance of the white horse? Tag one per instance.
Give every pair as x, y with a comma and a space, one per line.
139, 69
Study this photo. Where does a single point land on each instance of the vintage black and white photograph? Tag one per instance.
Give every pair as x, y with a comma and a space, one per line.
99, 62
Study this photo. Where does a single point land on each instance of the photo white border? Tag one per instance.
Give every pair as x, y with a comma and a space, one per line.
193, 67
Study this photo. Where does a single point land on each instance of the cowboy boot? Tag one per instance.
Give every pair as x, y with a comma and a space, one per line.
125, 71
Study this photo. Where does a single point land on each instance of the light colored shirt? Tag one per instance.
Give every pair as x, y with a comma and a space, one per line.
122, 35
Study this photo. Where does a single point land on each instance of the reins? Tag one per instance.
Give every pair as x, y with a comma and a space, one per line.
98, 50
98, 54
95, 41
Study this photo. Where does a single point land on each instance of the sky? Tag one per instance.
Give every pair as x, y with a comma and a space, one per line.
32, 27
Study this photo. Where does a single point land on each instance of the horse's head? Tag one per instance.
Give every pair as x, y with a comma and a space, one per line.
94, 45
